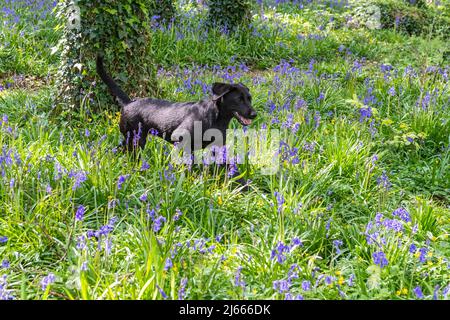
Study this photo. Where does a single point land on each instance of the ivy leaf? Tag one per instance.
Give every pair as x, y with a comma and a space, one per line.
111, 11
78, 66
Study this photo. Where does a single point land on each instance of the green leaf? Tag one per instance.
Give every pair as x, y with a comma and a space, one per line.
111, 11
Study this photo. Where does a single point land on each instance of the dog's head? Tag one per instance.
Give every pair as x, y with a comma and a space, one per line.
236, 99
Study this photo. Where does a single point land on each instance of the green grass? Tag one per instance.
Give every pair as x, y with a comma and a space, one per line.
342, 170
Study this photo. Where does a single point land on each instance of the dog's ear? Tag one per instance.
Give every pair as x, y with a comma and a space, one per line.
220, 89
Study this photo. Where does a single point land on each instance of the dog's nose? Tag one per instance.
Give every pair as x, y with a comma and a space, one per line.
253, 114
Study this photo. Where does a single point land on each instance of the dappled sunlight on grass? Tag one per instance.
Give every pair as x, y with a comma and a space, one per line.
359, 208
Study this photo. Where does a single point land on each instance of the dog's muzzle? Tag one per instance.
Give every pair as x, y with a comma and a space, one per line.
243, 120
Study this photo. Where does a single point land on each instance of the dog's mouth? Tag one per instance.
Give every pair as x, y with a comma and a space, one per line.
242, 120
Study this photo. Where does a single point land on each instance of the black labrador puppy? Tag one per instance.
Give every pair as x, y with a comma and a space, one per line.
172, 120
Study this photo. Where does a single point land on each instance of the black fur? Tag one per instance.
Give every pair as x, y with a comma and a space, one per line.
139, 117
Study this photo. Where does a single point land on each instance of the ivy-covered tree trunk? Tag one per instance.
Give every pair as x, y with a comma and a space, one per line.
229, 14
117, 29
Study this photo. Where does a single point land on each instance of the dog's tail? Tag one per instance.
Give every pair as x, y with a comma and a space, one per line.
115, 90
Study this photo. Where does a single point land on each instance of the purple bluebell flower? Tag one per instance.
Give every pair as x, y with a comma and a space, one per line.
5, 293
104, 230
374, 159
3, 239
379, 258
383, 181
328, 225
168, 264
137, 135
292, 273
290, 296
177, 215
350, 280
113, 203
238, 281
393, 224
297, 242
436, 292
81, 242
320, 97
5, 264
143, 197
423, 254
280, 200
232, 170
378, 218
145, 165
365, 113
337, 244
412, 248
151, 213
281, 286
426, 100
319, 278
108, 245
306, 285
47, 280
121, 180
79, 214
310, 147
182, 290
446, 291
418, 292
402, 214
280, 252
392, 91
397, 21
158, 223
79, 178
161, 291
317, 118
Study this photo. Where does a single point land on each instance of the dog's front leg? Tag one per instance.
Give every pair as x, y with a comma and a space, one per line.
181, 137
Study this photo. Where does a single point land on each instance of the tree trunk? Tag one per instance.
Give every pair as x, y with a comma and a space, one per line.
118, 29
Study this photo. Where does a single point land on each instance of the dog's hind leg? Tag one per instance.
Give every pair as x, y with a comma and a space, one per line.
130, 145
143, 139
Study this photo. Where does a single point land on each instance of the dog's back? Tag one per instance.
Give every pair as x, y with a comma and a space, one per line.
165, 116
